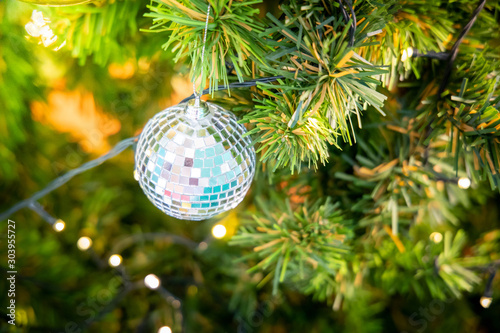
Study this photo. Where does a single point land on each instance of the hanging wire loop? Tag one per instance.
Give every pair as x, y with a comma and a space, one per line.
195, 92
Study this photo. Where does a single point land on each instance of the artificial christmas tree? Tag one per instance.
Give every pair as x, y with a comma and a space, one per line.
374, 205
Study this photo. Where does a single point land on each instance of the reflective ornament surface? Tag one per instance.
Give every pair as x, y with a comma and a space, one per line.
56, 2
193, 162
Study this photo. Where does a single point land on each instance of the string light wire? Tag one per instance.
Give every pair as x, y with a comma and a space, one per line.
59, 181
454, 50
352, 29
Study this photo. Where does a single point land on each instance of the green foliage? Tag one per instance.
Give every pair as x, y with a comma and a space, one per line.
424, 268
312, 51
422, 27
476, 123
288, 132
98, 30
17, 74
470, 117
232, 36
295, 242
395, 191
419, 26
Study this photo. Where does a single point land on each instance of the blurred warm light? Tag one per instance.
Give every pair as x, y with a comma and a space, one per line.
144, 63
203, 246
152, 281
437, 168
165, 329
436, 237
219, 231
296, 194
408, 53
59, 225
38, 27
115, 260
486, 301
84, 243
464, 183
176, 304
76, 113
136, 175
180, 85
231, 222
122, 71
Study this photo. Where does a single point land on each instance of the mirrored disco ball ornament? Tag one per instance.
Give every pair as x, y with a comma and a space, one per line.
193, 162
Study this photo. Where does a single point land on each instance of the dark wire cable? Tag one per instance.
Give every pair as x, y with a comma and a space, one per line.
352, 29
488, 290
37, 208
454, 50
244, 84
431, 54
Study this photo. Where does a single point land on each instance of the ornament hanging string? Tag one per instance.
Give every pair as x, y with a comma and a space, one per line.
195, 92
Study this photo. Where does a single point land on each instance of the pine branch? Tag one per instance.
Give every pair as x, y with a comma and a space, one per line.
233, 36
419, 27
313, 53
289, 242
289, 133
98, 31
469, 116
414, 269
